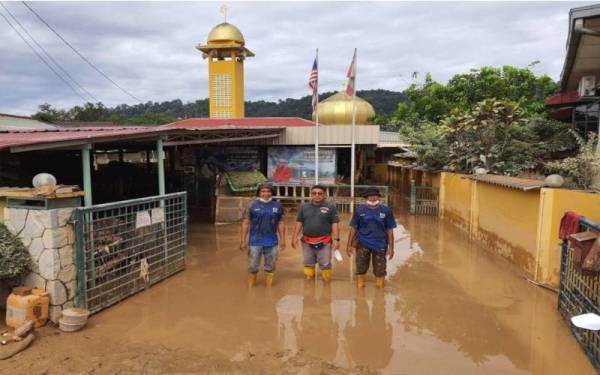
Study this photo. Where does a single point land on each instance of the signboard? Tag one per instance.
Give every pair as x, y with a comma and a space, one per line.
226, 159
296, 165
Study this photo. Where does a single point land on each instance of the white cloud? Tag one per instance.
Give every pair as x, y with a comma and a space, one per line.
148, 48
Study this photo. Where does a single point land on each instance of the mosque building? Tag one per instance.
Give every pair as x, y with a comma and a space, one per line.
283, 151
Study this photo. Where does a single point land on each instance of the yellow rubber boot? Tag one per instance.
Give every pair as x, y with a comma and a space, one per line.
380, 282
360, 281
269, 278
309, 273
251, 280
326, 275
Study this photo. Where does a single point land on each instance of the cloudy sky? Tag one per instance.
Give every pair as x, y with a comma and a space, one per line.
148, 47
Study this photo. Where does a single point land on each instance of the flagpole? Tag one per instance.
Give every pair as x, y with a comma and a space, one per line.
317, 128
353, 136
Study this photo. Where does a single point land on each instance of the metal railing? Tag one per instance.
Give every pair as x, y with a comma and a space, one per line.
424, 200
124, 247
338, 194
580, 294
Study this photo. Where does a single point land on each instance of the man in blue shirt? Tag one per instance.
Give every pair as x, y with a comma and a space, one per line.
263, 220
372, 237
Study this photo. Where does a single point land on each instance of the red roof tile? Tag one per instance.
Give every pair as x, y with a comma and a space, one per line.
563, 98
247, 122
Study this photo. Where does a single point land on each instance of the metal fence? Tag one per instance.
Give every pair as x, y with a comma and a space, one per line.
339, 194
124, 247
424, 200
580, 294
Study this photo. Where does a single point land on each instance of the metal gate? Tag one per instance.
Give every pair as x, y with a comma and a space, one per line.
424, 200
580, 294
124, 247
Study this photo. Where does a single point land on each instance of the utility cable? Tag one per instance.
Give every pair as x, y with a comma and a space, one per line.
42, 58
80, 55
47, 54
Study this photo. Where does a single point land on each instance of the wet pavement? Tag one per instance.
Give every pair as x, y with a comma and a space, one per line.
448, 307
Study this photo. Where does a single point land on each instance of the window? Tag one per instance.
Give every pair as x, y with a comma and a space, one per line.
221, 90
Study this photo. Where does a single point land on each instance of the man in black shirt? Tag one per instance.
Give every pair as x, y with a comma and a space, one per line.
319, 222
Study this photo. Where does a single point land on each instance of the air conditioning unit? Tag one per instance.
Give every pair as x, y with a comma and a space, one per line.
587, 86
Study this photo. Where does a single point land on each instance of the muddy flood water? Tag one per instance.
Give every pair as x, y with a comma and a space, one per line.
448, 307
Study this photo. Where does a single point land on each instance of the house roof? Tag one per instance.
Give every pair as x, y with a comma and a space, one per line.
247, 122
583, 50
70, 137
523, 184
563, 99
17, 123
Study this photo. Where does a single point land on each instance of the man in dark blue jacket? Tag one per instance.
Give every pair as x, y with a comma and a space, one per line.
263, 219
372, 237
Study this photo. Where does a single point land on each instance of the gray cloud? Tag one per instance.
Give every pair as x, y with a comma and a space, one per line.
148, 48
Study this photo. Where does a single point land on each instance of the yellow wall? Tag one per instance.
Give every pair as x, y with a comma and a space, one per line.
455, 199
521, 226
554, 203
506, 221
235, 70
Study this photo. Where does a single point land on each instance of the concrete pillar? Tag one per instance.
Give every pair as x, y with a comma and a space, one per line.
87, 176
160, 154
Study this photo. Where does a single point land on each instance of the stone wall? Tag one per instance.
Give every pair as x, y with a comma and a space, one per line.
49, 237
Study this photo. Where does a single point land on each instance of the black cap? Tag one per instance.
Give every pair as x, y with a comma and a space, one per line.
371, 190
265, 186
317, 186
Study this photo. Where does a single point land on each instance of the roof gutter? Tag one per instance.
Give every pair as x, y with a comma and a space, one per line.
578, 28
572, 43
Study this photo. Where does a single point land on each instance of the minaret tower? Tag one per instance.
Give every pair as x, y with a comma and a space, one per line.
226, 53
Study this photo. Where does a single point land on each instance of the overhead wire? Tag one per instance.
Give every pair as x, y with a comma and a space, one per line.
47, 54
79, 53
42, 58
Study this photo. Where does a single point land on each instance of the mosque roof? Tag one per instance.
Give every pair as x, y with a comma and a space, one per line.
337, 110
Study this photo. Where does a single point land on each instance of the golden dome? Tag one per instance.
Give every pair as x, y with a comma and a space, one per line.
225, 32
337, 110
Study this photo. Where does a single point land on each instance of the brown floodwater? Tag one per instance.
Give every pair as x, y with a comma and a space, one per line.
449, 307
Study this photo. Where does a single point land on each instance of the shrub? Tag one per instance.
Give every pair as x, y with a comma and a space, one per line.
14, 257
582, 167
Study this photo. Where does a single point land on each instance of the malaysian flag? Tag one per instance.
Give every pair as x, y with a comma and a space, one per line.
351, 76
313, 83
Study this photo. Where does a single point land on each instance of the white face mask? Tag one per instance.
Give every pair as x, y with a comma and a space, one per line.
265, 200
370, 203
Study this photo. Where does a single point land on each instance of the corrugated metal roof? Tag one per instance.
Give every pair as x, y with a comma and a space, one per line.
195, 123
18, 123
29, 138
523, 184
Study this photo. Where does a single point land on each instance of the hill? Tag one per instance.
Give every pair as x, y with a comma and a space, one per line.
383, 101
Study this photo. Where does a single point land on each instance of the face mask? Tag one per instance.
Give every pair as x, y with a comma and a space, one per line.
369, 203
265, 200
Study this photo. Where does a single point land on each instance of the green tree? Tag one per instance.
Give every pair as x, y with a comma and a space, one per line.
433, 101
146, 119
89, 112
48, 113
494, 135
429, 144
